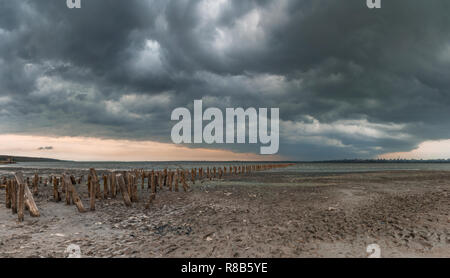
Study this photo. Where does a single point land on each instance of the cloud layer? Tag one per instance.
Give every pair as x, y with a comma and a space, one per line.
349, 81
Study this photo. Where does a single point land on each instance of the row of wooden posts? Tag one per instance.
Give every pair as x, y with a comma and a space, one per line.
19, 197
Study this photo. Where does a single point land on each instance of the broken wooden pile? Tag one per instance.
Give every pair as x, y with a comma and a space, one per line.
19, 197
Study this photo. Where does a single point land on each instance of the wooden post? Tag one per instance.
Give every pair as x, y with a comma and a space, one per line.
92, 193
123, 190
165, 177
13, 191
156, 179
176, 181
149, 176
91, 188
152, 181
73, 180
193, 174
153, 190
96, 183
128, 181
161, 180
8, 194
35, 184
64, 181
113, 184
183, 181
71, 189
105, 187
21, 204
170, 180
27, 196
134, 189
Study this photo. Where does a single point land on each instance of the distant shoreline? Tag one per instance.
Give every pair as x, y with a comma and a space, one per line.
4, 158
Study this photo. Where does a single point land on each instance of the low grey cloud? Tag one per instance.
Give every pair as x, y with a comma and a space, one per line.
47, 148
349, 81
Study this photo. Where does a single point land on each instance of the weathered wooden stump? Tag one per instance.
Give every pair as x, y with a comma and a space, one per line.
123, 190
13, 192
25, 196
74, 195
8, 194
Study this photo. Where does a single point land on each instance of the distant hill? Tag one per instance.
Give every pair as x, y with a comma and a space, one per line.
27, 159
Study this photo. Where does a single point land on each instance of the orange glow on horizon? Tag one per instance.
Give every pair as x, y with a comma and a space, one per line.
98, 149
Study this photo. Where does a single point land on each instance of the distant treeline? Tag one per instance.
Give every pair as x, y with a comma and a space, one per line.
26, 159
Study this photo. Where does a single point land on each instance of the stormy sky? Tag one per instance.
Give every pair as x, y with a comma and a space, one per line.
350, 82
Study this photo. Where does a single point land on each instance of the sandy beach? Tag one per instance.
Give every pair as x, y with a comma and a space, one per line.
261, 214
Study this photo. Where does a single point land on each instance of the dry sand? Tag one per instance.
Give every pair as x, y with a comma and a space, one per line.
264, 214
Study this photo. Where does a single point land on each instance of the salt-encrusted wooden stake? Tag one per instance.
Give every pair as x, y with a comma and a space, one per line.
21, 205
71, 189
183, 182
135, 190
121, 182
160, 176
152, 181
66, 186
35, 184
113, 185
176, 178
193, 175
165, 178
27, 196
89, 183
127, 180
220, 173
105, 187
13, 196
153, 190
143, 180
215, 171
168, 180
8, 194
95, 183
92, 195
173, 180
160, 180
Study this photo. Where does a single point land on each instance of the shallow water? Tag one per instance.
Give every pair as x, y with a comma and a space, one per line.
299, 167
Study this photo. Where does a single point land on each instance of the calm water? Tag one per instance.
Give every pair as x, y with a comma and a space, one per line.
300, 167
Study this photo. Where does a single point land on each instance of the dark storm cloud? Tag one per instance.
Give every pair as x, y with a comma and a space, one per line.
349, 81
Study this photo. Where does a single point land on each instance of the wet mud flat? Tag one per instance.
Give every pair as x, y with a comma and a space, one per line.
259, 214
